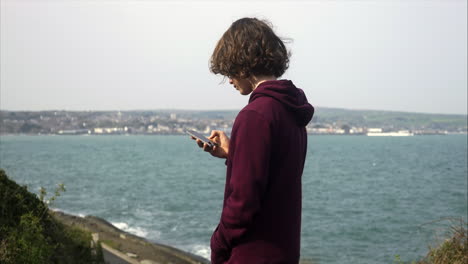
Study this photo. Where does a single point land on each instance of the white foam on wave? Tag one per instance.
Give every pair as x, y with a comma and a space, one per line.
145, 214
138, 231
201, 250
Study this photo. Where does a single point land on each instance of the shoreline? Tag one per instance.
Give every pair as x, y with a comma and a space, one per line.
132, 247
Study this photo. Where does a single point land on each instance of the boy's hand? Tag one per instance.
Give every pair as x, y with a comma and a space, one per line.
221, 149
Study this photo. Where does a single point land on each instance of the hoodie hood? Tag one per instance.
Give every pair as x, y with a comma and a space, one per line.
289, 95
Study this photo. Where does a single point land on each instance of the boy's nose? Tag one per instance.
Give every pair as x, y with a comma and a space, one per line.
230, 81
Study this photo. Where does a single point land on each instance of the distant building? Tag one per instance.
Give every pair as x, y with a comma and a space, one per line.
109, 130
339, 131
74, 132
401, 133
374, 130
162, 128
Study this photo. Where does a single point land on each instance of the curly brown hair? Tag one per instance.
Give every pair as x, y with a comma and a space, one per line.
249, 47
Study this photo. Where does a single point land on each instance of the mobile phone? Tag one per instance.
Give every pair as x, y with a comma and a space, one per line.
204, 139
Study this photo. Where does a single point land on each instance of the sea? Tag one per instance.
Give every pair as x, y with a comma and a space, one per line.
365, 199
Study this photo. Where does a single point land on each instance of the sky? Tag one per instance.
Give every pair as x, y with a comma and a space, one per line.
392, 55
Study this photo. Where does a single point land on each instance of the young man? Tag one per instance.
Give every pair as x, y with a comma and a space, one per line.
261, 216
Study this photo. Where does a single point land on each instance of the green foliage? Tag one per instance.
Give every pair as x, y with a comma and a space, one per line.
399, 261
29, 234
43, 193
453, 250
111, 244
26, 243
74, 247
15, 201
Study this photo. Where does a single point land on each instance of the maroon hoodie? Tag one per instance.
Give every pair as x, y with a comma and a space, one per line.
261, 217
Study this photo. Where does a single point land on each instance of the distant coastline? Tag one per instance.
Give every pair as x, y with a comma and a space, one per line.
326, 121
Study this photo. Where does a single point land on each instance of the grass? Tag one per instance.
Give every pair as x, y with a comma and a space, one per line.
453, 250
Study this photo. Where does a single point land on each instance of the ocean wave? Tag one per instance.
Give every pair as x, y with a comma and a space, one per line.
138, 231
201, 250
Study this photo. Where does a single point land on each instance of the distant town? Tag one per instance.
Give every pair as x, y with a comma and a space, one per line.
326, 121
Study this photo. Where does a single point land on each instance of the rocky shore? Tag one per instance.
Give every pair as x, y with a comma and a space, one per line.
126, 247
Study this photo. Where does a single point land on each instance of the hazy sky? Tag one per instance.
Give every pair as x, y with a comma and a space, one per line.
122, 55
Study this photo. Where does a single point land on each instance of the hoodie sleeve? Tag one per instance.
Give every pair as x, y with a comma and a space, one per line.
251, 139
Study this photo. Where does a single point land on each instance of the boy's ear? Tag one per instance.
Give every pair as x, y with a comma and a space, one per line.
243, 75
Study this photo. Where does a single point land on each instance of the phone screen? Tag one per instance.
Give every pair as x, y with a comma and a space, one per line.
201, 137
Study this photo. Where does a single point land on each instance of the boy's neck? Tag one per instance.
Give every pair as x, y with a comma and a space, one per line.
257, 80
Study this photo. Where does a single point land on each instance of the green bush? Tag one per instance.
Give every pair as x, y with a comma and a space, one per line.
29, 234
26, 243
